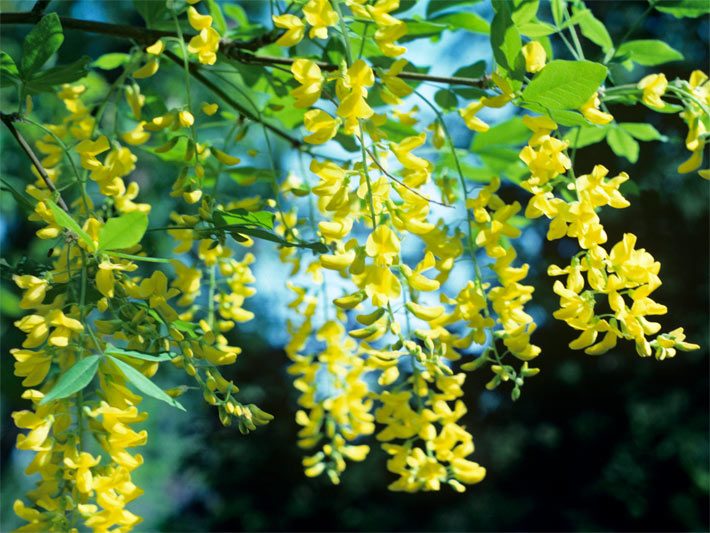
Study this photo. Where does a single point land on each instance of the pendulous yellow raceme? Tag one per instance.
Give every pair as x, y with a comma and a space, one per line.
383, 327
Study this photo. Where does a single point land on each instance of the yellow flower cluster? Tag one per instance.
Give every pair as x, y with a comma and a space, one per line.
625, 276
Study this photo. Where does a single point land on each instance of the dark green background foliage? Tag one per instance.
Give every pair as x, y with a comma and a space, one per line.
609, 443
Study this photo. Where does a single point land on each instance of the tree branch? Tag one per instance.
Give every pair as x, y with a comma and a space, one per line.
233, 49
9, 120
216, 89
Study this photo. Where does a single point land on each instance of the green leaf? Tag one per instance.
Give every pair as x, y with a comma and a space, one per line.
63, 218
683, 8
237, 14
46, 80
505, 39
512, 132
648, 52
476, 70
151, 10
262, 219
643, 131
558, 8
446, 99
123, 232
156, 358
144, 385
111, 61
594, 30
9, 303
586, 135
436, 6
218, 19
464, 21
41, 43
24, 201
623, 144
565, 84
74, 379
9, 75
536, 29
524, 11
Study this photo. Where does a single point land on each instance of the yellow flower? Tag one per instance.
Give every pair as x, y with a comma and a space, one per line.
147, 70
382, 245
156, 48
295, 29
209, 109
205, 44
320, 15
197, 21
535, 56
653, 86
35, 290
380, 284
321, 124
308, 74
591, 111
469, 116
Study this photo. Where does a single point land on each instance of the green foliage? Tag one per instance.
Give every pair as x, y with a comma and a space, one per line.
123, 232
41, 44
74, 379
67, 222
647, 52
143, 384
564, 84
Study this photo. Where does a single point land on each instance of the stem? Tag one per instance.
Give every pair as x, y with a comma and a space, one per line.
8, 120
67, 154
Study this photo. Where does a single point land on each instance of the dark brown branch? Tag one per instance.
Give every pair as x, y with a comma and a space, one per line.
9, 120
414, 76
233, 49
196, 73
40, 6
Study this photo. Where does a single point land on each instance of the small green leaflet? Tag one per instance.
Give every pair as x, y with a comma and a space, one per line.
40, 44
9, 75
261, 219
74, 379
623, 144
643, 131
563, 85
155, 358
46, 80
594, 30
111, 61
62, 218
143, 384
682, 8
123, 232
647, 52
505, 40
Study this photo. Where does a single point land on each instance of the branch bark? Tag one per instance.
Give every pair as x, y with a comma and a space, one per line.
9, 120
237, 50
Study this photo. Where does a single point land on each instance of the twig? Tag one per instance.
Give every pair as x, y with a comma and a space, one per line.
40, 6
9, 120
234, 49
376, 160
216, 89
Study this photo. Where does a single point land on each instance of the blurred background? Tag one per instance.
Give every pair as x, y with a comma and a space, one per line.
609, 443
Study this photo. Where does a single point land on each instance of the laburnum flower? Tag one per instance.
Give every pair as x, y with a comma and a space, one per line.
295, 29
352, 90
35, 290
386, 37
147, 70
591, 111
320, 15
309, 75
395, 88
697, 122
653, 87
382, 245
535, 56
469, 117
322, 126
205, 44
